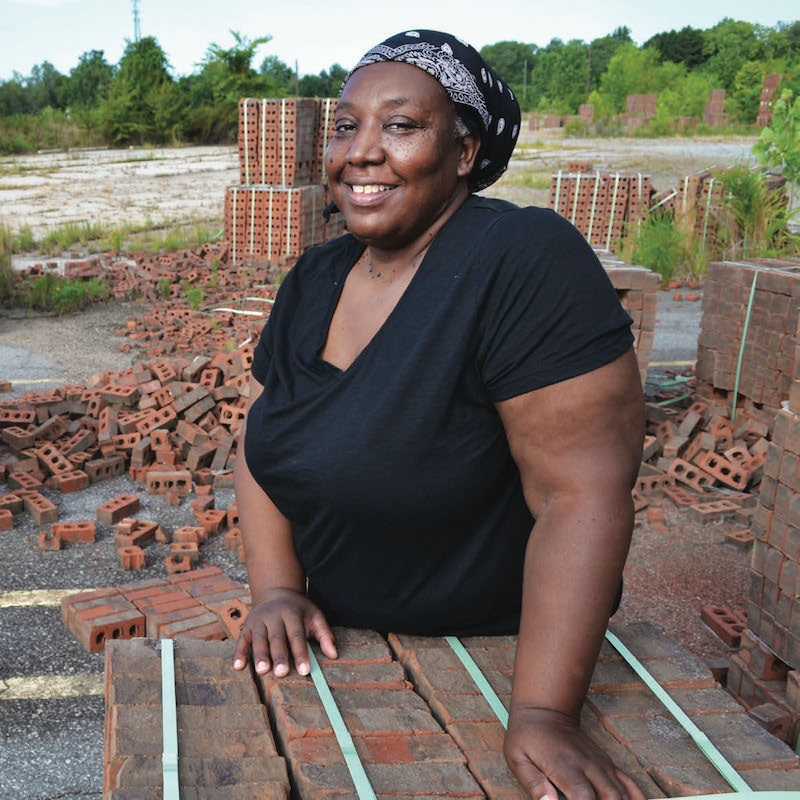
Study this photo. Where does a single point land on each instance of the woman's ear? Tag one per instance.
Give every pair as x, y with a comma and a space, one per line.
469, 146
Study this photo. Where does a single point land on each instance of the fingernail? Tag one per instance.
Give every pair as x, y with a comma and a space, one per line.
261, 666
302, 668
238, 664
281, 670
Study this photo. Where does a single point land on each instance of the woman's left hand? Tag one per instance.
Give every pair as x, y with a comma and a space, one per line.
546, 749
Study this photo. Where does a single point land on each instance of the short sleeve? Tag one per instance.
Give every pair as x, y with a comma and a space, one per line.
263, 352
549, 312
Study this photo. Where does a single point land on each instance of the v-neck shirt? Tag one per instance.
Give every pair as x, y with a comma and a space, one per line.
406, 506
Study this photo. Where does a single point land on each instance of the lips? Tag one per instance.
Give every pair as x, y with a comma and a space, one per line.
367, 194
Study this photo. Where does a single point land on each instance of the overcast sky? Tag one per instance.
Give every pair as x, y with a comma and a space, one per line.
318, 33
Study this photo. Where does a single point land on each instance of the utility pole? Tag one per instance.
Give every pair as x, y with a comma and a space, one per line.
137, 33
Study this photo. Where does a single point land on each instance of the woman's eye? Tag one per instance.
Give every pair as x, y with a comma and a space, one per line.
344, 127
403, 126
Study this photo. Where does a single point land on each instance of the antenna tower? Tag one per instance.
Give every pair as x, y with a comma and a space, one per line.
137, 33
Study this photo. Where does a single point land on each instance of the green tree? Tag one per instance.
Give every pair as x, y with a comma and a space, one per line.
634, 71
326, 84
745, 97
89, 80
685, 95
602, 50
558, 81
514, 62
779, 144
731, 43
143, 103
278, 77
683, 47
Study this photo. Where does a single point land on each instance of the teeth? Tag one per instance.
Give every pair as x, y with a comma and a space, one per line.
370, 188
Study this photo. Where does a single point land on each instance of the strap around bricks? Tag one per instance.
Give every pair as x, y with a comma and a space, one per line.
716, 758
345, 741
169, 722
480, 679
741, 347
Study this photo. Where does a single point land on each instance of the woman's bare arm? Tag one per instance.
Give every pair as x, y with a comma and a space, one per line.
282, 617
578, 445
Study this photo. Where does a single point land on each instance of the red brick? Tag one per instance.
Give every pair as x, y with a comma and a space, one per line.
114, 510
6, 520
72, 532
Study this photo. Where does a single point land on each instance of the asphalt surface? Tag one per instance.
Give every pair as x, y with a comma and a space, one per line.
51, 744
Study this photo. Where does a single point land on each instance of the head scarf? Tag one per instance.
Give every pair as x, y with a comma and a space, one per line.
482, 100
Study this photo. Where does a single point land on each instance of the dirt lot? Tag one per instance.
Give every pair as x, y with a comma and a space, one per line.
162, 187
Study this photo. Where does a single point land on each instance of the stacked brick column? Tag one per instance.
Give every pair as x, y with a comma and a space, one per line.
600, 204
276, 211
226, 749
714, 110
420, 725
771, 83
637, 289
768, 359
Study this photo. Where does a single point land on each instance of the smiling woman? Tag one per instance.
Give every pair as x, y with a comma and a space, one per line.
429, 385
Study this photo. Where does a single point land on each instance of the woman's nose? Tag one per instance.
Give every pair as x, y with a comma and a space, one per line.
366, 146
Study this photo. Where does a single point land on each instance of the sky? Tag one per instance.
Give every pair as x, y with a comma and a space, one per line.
318, 33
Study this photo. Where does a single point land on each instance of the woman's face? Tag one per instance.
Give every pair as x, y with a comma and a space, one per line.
394, 163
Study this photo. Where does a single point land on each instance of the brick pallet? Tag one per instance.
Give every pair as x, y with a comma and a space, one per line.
768, 361
714, 110
419, 724
637, 289
771, 84
601, 204
276, 211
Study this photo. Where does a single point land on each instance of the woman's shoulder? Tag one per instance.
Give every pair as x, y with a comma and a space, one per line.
496, 217
323, 261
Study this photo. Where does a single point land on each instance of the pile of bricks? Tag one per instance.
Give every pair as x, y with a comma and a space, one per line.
276, 211
601, 204
714, 110
171, 418
637, 289
771, 84
226, 748
203, 604
421, 727
768, 366
701, 462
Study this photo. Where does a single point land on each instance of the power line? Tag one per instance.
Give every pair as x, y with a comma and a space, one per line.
137, 33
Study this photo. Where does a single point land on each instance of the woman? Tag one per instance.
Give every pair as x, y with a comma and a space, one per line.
428, 385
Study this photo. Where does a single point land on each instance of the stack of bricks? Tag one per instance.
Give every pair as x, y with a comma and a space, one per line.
586, 113
769, 353
637, 289
771, 84
276, 211
225, 745
171, 418
204, 604
714, 110
766, 671
601, 204
421, 727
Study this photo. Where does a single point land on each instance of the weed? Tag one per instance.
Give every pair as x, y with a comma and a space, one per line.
62, 238
7, 277
23, 241
164, 287
658, 245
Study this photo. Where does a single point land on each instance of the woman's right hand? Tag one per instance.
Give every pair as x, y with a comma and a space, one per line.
282, 622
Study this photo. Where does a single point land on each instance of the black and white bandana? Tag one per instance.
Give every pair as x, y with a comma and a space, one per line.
485, 103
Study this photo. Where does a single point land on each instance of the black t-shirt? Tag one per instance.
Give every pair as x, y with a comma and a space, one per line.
406, 506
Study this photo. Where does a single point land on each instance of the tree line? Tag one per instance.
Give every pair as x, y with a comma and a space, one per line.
139, 100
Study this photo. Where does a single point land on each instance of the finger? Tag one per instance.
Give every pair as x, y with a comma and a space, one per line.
634, 792
605, 782
317, 627
260, 647
296, 633
533, 780
242, 649
278, 648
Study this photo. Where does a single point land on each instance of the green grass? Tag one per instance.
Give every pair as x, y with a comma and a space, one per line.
531, 180
65, 236
6, 272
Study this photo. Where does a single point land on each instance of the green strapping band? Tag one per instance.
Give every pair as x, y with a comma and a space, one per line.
357, 773
169, 722
575, 199
246, 146
263, 139
233, 244
766, 795
708, 211
719, 761
741, 346
480, 679
594, 205
613, 212
558, 192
